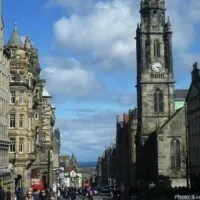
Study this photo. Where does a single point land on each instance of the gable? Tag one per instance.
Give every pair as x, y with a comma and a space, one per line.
175, 125
72, 173
193, 91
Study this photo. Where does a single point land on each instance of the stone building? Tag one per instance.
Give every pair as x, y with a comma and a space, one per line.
193, 127
56, 154
122, 151
68, 162
98, 172
73, 178
24, 70
46, 137
161, 133
4, 107
126, 152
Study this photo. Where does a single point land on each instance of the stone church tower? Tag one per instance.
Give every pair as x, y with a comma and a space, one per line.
155, 80
161, 132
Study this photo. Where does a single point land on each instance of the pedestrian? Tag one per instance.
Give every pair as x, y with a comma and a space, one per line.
2, 193
58, 194
14, 196
8, 194
29, 196
43, 195
36, 194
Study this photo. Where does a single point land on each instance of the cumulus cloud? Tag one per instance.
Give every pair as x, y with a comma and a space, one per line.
68, 78
107, 32
73, 6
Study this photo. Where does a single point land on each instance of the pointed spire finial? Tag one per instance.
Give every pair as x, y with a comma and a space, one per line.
15, 26
168, 21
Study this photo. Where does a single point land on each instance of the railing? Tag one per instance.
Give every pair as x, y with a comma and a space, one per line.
161, 76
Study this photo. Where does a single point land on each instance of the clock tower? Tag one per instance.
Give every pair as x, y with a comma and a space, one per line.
155, 79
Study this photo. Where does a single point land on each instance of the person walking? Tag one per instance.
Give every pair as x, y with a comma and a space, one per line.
29, 196
43, 195
58, 194
8, 194
2, 193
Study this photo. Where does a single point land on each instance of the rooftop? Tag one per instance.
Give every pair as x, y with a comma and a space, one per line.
15, 38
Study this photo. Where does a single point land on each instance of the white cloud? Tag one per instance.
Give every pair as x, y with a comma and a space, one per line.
72, 6
106, 32
88, 137
67, 77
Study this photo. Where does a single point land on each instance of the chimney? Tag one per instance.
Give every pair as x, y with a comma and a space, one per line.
124, 117
195, 72
118, 118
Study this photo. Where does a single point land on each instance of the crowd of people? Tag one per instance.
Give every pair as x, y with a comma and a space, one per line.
30, 194
72, 193
47, 194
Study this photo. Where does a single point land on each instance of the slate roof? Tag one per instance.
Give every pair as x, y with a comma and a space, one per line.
180, 94
15, 38
177, 111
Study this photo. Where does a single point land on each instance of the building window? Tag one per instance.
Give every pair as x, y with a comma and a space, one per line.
21, 78
175, 154
12, 120
21, 145
158, 101
12, 77
37, 138
29, 102
30, 81
38, 94
36, 114
12, 144
29, 123
21, 98
29, 146
12, 98
21, 120
156, 48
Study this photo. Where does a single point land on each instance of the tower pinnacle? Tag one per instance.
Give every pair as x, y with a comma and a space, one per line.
15, 38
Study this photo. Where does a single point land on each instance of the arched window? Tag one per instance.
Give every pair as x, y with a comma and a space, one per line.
156, 48
158, 101
175, 154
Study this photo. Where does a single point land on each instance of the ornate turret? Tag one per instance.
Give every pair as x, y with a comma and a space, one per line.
168, 25
15, 39
27, 44
152, 4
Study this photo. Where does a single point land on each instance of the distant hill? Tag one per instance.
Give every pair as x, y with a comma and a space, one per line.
86, 164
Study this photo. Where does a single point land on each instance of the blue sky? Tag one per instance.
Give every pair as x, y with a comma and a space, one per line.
87, 55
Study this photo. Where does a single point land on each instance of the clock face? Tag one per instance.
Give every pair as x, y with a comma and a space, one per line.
156, 67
